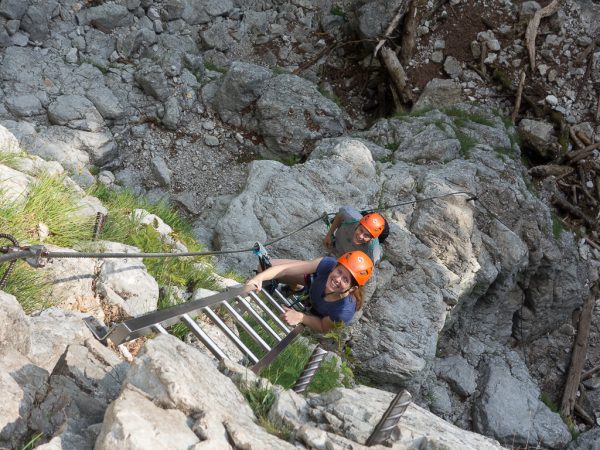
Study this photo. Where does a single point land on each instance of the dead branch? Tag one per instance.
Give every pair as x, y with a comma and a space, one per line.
573, 157
588, 50
392, 26
519, 95
409, 31
597, 183
578, 354
575, 138
397, 74
584, 414
590, 373
532, 29
584, 138
482, 57
550, 169
598, 111
593, 244
559, 199
584, 188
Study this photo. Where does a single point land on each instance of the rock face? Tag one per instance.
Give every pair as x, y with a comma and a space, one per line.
459, 271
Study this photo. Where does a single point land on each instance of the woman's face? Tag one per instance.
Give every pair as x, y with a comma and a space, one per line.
361, 235
339, 280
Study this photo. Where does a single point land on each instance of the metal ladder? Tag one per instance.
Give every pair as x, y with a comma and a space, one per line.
261, 308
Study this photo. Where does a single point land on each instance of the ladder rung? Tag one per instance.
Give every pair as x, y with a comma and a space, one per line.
230, 334
203, 337
253, 334
269, 312
250, 310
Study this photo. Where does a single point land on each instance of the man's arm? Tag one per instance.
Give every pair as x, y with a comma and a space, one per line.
328, 240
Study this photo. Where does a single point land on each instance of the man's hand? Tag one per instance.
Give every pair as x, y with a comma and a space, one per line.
328, 241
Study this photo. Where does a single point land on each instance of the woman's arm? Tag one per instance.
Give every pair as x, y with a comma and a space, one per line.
294, 268
319, 324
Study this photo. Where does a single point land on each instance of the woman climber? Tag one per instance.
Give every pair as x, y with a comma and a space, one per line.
350, 230
334, 287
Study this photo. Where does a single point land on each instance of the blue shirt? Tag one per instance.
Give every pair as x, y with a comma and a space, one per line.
338, 310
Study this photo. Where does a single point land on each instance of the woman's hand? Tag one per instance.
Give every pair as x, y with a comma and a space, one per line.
291, 316
255, 283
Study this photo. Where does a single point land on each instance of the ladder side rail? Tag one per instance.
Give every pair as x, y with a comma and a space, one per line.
250, 310
142, 325
247, 328
269, 357
231, 335
203, 337
269, 312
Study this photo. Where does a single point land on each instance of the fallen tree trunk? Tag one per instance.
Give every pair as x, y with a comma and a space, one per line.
578, 354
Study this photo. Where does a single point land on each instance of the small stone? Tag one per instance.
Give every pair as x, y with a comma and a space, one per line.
475, 49
71, 57
158, 26
437, 56
542, 69
552, 74
211, 141
439, 44
552, 100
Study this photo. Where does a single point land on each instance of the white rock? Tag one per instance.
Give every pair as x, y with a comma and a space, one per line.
552, 100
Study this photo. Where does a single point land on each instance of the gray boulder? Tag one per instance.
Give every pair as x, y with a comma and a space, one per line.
586, 441
107, 16
240, 89
23, 385
24, 105
126, 283
13, 9
439, 93
539, 137
292, 115
8, 141
14, 326
106, 102
509, 407
177, 376
152, 80
458, 373
75, 112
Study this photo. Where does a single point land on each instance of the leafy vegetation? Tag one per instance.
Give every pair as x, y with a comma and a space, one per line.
52, 202
122, 226
213, 67
261, 398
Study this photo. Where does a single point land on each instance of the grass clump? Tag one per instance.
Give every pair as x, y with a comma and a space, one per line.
337, 10
122, 226
557, 227
213, 67
54, 203
466, 143
461, 117
261, 398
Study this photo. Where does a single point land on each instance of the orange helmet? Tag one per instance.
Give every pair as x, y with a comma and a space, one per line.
374, 223
359, 264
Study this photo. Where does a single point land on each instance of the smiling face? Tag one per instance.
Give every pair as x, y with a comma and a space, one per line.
361, 235
339, 280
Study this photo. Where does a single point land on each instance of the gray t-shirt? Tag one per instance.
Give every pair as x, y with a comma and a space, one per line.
343, 236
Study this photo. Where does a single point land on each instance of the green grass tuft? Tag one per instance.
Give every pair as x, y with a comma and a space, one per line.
120, 226
261, 398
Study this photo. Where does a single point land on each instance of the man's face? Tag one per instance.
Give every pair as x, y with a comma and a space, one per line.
361, 235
